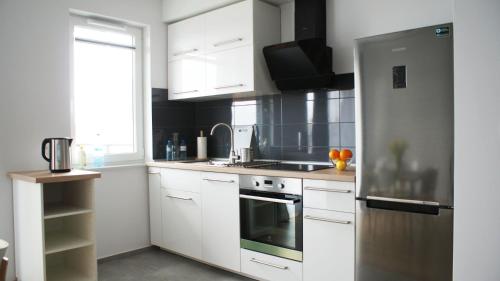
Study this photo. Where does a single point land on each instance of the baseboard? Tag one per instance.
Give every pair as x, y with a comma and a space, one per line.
125, 254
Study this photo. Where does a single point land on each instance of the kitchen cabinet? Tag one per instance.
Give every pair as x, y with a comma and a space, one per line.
181, 215
54, 217
187, 38
329, 230
328, 245
221, 227
155, 221
229, 27
222, 55
224, 78
181, 211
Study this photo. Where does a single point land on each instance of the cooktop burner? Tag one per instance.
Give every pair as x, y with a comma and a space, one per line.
292, 167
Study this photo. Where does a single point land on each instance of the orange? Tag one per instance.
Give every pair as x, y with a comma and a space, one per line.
334, 154
345, 154
341, 165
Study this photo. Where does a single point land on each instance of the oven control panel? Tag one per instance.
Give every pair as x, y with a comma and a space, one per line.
271, 184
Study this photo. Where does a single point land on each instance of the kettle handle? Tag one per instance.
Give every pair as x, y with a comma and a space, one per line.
44, 144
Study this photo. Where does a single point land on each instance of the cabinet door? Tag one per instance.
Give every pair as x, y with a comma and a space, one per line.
230, 71
328, 245
155, 222
229, 27
186, 77
182, 222
221, 227
186, 38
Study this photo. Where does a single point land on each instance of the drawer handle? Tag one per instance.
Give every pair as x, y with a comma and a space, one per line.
186, 92
269, 264
153, 173
180, 198
327, 189
185, 52
327, 220
229, 181
229, 86
218, 44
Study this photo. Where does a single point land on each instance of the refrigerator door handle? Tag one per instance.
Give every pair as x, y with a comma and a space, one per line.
403, 205
407, 201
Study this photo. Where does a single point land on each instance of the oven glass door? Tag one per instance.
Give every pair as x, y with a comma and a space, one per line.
271, 223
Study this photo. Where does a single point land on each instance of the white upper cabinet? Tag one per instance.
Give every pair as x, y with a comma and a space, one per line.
222, 75
187, 38
229, 27
220, 53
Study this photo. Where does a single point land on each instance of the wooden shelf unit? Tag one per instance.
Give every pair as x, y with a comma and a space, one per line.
54, 223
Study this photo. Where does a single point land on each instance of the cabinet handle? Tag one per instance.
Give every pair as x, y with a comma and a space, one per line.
218, 44
269, 264
229, 181
180, 198
153, 173
185, 52
327, 220
229, 86
186, 92
327, 189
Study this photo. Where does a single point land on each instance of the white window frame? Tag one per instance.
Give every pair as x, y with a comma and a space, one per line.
139, 33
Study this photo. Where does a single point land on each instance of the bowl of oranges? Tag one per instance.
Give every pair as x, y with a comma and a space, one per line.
341, 159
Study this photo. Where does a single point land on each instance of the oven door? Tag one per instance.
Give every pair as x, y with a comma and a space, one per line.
271, 223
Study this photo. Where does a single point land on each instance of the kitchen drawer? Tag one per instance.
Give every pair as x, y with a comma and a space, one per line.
329, 195
181, 180
270, 268
220, 178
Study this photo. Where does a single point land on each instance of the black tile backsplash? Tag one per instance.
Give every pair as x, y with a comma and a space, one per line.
297, 125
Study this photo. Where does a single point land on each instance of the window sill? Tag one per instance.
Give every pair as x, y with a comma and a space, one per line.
112, 166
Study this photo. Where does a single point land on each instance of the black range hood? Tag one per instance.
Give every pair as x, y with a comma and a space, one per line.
307, 62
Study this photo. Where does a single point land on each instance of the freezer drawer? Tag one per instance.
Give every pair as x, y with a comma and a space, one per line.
396, 245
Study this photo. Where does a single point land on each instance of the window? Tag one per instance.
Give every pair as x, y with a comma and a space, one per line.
107, 89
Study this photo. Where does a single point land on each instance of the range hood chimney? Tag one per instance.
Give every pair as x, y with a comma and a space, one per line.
305, 63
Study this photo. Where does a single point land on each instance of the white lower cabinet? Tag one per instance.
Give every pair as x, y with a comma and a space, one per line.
270, 268
220, 220
328, 245
181, 215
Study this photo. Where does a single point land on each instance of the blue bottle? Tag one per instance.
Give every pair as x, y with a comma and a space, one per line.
169, 150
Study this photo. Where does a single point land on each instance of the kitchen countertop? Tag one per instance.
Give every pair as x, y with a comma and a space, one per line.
331, 174
48, 177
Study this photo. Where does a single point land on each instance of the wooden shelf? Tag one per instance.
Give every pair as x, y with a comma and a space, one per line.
53, 211
60, 242
57, 273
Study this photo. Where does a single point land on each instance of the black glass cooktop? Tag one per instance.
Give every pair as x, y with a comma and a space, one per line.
292, 167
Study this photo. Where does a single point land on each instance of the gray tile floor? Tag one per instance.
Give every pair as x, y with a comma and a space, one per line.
157, 265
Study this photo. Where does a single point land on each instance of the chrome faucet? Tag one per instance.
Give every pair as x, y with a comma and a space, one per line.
232, 155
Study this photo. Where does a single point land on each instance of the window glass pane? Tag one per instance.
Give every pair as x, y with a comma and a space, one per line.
106, 36
104, 96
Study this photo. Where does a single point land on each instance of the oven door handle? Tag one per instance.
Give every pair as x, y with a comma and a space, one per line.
267, 199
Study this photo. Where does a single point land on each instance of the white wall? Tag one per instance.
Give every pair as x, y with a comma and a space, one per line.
351, 19
477, 138
174, 10
34, 104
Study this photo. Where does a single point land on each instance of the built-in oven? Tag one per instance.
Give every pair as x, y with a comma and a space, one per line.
271, 215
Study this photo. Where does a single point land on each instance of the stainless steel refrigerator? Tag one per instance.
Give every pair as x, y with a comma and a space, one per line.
404, 181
